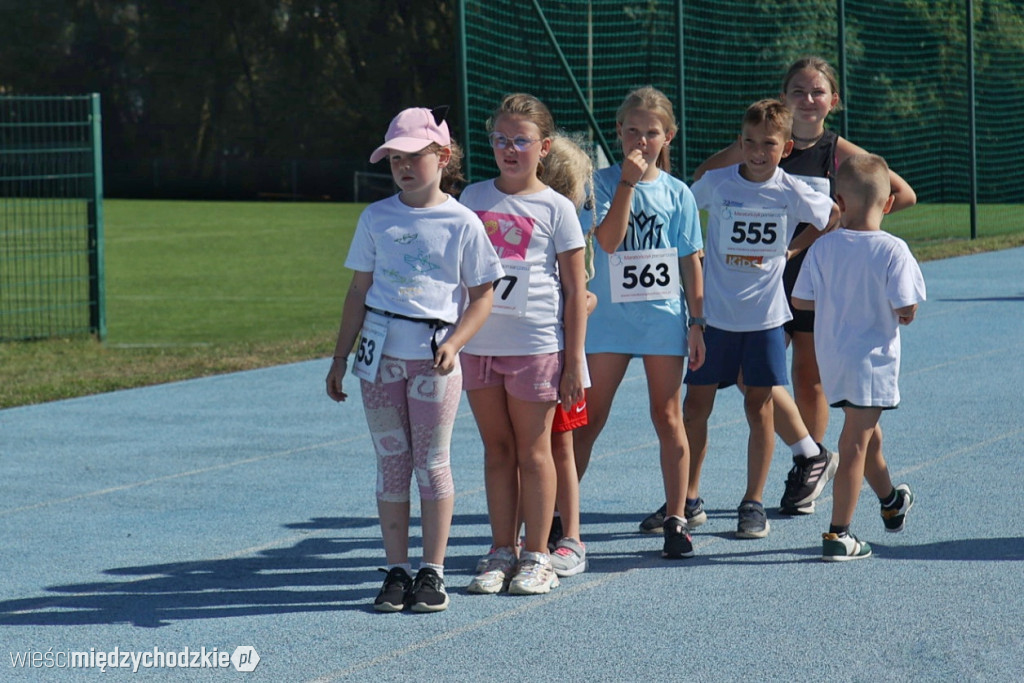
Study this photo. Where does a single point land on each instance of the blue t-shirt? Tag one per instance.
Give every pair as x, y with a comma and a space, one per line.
663, 215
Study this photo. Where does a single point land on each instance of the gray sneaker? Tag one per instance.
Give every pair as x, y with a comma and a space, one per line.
695, 514
569, 557
753, 522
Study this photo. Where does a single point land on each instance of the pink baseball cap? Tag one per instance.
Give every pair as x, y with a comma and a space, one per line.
412, 130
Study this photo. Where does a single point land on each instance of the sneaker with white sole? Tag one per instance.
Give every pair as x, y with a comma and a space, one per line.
695, 514
753, 522
836, 548
391, 597
678, 542
894, 517
493, 572
535, 576
427, 593
569, 557
652, 523
806, 480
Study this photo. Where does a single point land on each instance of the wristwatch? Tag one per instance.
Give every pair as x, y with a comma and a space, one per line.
701, 322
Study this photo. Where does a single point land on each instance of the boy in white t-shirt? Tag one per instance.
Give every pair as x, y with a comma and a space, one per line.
862, 283
753, 208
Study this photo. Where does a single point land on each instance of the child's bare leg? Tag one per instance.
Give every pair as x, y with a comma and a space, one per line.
531, 422
567, 496
789, 425
664, 385
858, 430
807, 391
875, 468
757, 403
394, 530
501, 476
606, 373
437, 524
697, 406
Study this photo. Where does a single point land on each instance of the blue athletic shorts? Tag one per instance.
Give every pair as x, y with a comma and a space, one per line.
761, 355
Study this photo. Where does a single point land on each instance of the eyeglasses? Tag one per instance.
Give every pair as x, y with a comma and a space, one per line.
519, 143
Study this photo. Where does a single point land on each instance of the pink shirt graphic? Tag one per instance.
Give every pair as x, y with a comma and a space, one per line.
509, 234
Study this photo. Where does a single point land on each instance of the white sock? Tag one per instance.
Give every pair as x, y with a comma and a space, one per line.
404, 565
806, 447
439, 568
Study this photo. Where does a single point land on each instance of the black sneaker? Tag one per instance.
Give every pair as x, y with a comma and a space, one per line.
427, 593
392, 594
678, 544
806, 481
653, 522
894, 517
555, 535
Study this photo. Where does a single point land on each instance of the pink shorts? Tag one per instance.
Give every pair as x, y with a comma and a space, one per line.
568, 420
528, 378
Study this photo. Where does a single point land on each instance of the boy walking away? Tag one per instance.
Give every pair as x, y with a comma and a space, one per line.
862, 283
753, 208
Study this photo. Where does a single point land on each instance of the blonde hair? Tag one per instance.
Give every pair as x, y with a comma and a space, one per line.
773, 113
529, 108
570, 171
866, 176
651, 99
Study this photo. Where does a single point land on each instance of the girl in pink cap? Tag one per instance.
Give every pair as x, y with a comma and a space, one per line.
413, 255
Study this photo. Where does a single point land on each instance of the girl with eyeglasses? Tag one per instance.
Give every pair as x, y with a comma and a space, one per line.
529, 353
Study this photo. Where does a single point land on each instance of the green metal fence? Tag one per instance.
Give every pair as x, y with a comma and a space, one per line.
935, 87
51, 218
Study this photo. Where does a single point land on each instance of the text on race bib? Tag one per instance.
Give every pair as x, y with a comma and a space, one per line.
368, 352
513, 290
644, 275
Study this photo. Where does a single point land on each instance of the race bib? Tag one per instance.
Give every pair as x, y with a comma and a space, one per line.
512, 291
822, 185
645, 275
367, 356
753, 237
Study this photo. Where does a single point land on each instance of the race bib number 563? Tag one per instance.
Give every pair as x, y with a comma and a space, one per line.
645, 275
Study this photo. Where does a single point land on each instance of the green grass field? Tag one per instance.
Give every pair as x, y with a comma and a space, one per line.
200, 288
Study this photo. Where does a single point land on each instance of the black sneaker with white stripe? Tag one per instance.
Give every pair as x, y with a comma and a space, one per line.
427, 593
806, 481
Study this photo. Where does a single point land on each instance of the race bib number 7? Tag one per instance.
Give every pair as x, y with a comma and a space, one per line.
512, 291
367, 356
645, 275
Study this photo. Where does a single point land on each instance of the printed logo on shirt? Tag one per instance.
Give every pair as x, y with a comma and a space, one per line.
509, 234
644, 232
743, 261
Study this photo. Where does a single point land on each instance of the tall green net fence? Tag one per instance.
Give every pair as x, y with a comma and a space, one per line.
51, 218
935, 92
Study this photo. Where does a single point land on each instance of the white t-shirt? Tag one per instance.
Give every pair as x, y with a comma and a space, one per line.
749, 229
420, 260
856, 279
528, 232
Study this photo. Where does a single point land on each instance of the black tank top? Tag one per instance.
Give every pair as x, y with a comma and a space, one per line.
817, 161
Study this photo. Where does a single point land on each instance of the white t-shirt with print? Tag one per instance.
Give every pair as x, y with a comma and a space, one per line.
421, 258
749, 228
528, 232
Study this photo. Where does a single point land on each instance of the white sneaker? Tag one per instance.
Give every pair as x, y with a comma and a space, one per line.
569, 557
535, 576
494, 571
